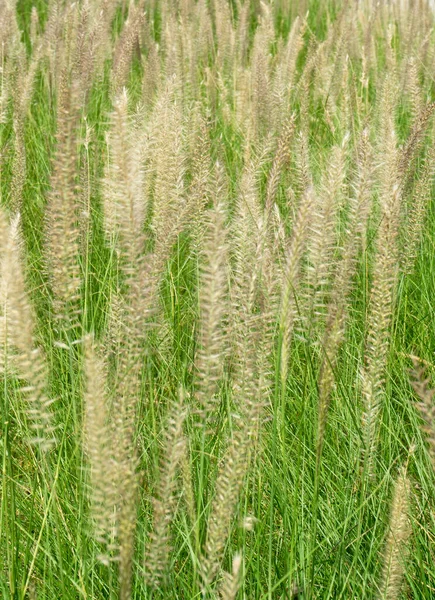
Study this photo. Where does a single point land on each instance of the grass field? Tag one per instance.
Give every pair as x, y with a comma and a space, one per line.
217, 292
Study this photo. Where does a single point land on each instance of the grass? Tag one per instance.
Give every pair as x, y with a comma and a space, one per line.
231, 441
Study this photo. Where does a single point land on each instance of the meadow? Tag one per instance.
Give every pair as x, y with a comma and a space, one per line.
217, 299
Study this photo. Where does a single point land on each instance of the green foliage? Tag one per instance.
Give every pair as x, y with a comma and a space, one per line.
305, 512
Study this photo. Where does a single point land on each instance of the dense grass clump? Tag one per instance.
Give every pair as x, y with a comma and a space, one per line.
216, 299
